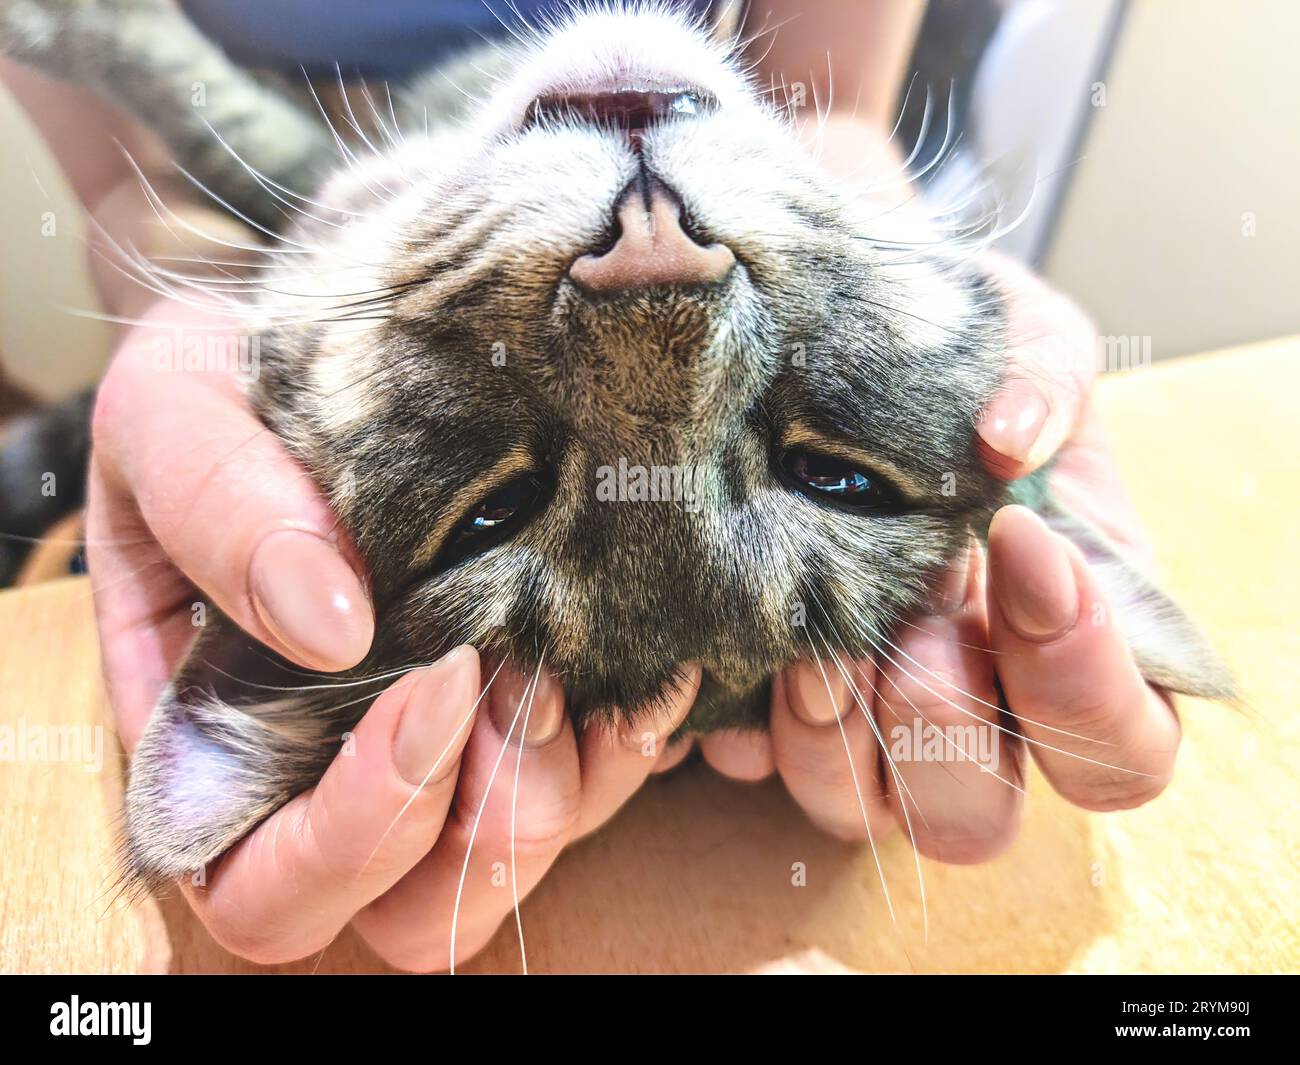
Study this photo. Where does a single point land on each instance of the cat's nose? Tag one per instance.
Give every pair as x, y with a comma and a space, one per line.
651, 248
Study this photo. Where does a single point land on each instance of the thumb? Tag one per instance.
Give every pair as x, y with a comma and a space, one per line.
232, 510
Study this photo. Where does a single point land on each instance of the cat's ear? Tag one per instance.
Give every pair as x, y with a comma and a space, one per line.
1169, 649
187, 801
232, 739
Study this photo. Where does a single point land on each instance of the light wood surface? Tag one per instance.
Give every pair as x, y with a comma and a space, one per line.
696, 874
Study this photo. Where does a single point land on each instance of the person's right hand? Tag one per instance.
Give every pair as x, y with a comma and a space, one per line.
188, 490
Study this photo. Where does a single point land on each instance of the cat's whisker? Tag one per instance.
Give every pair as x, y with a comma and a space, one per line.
870, 634
936, 730
270, 182
284, 667
220, 291
868, 163
129, 263
860, 701
165, 213
450, 81
741, 45
252, 223
907, 177
984, 702
514, 810
98, 587
200, 261
1010, 732
350, 159
974, 248
958, 643
922, 133
150, 281
857, 788
392, 113
823, 114
275, 189
523, 22
478, 817
352, 119
327, 686
904, 792
389, 138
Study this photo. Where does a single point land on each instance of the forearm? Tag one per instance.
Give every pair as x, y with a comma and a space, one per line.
851, 57
841, 67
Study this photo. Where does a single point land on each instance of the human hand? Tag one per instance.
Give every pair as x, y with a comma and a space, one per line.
189, 491
1011, 616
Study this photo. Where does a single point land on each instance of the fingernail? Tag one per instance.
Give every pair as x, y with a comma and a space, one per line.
529, 716
953, 584
1033, 579
1013, 420
433, 725
818, 693
644, 731
308, 596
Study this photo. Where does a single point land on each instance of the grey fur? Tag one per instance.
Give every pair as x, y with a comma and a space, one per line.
191, 89
382, 380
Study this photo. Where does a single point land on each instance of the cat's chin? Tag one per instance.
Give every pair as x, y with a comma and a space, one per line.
718, 705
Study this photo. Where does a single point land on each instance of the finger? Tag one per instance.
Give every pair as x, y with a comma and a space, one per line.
142, 607
1100, 734
516, 807
742, 754
288, 888
956, 780
825, 749
1051, 352
616, 759
227, 504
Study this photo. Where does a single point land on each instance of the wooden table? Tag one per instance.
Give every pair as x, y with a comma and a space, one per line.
696, 873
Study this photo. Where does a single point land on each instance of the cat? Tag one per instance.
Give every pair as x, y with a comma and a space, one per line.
601, 373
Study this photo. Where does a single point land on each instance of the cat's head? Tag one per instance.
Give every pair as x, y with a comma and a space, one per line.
610, 372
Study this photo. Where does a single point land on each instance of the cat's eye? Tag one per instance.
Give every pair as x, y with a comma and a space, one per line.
501, 513
836, 480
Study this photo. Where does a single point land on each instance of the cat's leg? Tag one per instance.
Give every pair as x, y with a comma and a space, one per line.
149, 59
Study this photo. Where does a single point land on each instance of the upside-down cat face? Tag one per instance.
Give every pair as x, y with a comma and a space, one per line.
500, 439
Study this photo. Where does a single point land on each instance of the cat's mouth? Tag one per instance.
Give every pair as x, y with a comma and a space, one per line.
631, 111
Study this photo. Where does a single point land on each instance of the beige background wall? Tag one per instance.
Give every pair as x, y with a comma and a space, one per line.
1201, 129
44, 347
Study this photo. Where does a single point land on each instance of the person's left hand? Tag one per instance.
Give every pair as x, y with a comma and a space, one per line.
849, 739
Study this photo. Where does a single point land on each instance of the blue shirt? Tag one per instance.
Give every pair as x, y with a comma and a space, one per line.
379, 38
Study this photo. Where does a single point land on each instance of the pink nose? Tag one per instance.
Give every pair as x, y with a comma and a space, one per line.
651, 249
